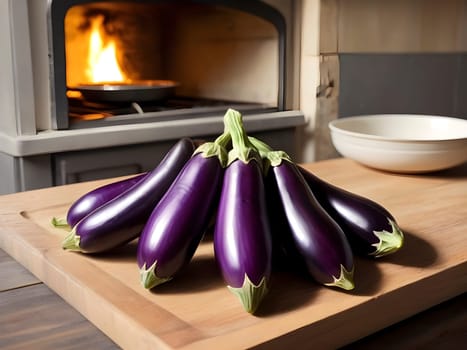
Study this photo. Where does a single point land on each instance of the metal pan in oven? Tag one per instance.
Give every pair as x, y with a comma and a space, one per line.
134, 91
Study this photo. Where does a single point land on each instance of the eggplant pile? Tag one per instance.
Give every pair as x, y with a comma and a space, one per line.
261, 203
121, 218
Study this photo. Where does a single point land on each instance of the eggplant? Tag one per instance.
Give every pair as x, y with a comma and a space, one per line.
178, 222
318, 239
121, 219
97, 197
242, 237
284, 255
370, 228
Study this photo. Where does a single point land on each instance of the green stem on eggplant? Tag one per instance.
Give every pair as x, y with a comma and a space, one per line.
60, 223
71, 241
218, 148
148, 277
344, 281
242, 149
250, 294
389, 242
270, 157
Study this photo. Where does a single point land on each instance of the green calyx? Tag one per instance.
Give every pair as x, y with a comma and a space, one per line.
218, 148
242, 149
148, 277
250, 295
246, 148
273, 158
60, 223
389, 242
345, 280
71, 241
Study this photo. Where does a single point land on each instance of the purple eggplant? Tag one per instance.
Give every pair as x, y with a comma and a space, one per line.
242, 237
370, 228
121, 219
178, 222
97, 197
284, 255
318, 239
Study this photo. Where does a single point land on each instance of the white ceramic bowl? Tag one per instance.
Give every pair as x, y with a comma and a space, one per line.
402, 143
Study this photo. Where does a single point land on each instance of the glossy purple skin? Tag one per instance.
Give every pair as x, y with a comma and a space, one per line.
242, 236
317, 237
122, 219
284, 253
358, 216
178, 222
97, 197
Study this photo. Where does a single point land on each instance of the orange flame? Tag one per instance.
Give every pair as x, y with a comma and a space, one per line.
102, 65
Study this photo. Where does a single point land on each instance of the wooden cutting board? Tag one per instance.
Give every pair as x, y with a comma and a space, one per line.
196, 311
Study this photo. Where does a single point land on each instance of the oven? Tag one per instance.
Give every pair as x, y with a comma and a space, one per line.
93, 89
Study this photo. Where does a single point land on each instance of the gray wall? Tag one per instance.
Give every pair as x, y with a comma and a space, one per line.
403, 83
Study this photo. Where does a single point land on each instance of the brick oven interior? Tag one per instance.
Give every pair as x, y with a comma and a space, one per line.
153, 42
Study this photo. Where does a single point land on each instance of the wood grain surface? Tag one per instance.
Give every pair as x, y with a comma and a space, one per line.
195, 310
33, 317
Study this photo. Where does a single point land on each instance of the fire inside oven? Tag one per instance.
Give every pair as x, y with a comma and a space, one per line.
138, 61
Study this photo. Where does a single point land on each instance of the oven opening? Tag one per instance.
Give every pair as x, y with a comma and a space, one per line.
130, 62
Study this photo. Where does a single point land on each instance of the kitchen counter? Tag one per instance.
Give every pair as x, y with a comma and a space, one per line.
420, 288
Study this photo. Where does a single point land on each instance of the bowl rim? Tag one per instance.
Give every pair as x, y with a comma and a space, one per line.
334, 127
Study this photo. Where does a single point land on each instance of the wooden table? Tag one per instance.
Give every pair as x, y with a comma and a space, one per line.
33, 316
